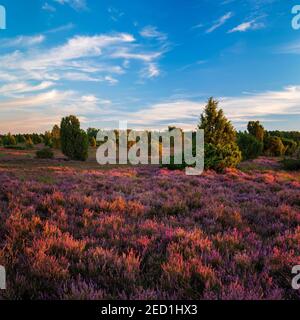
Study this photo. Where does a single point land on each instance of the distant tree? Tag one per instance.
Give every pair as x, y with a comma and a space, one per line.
250, 147
217, 129
29, 143
55, 136
9, 140
92, 133
74, 141
48, 139
290, 146
257, 130
274, 146
221, 149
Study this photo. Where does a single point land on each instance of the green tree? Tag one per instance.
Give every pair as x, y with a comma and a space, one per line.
250, 147
221, 149
274, 146
9, 140
217, 129
74, 141
256, 130
55, 136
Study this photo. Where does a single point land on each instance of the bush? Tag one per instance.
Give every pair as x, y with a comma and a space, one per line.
74, 141
9, 140
220, 157
250, 147
290, 146
291, 164
274, 146
45, 153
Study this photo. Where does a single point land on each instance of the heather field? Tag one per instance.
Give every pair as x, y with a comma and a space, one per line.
73, 231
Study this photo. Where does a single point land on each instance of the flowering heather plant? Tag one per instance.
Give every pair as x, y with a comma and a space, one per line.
149, 233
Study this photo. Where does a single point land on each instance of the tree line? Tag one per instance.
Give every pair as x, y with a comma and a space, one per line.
224, 146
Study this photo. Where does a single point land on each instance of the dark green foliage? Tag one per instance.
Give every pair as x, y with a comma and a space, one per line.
220, 157
74, 141
48, 139
45, 153
15, 147
221, 149
92, 133
256, 130
273, 146
36, 138
82, 146
291, 164
250, 147
9, 140
217, 129
290, 146
293, 135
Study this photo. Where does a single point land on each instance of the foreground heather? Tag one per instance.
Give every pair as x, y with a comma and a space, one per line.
148, 233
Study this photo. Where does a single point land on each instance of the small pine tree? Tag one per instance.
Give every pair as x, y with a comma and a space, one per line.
74, 141
221, 149
217, 129
250, 147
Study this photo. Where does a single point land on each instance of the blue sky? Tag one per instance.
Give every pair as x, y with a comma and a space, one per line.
152, 63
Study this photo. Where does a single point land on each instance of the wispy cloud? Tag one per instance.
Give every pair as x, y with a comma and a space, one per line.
22, 41
246, 26
220, 22
152, 32
75, 4
48, 7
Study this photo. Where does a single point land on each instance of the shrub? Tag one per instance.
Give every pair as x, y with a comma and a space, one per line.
45, 153
9, 140
250, 147
291, 164
290, 146
220, 157
74, 141
274, 147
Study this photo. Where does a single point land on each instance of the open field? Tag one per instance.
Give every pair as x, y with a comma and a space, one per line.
73, 230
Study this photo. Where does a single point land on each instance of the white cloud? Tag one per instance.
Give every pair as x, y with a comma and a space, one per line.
220, 22
23, 87
75, 4
245, 26
22, 41
47, 7
152, 32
